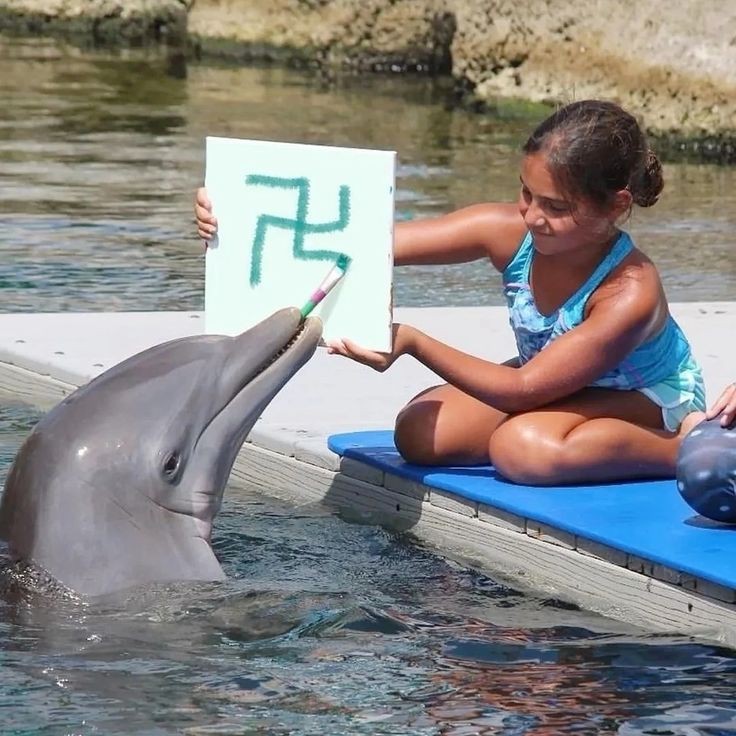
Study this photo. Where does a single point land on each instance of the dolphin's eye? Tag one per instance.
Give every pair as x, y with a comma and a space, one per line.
171, 464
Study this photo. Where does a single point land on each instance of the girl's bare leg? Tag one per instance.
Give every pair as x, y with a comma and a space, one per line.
595, 435
444, 426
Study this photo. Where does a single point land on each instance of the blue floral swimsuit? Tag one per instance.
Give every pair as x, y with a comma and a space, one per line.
662, 368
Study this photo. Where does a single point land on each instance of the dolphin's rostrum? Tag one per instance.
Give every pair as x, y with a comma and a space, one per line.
118, 485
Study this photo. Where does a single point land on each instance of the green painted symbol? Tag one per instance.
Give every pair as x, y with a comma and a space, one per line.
299, 224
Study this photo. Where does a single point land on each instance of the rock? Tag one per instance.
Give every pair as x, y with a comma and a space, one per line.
675, 68
376, 35
110, 22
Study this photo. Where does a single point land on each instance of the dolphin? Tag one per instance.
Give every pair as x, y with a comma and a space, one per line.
119, 484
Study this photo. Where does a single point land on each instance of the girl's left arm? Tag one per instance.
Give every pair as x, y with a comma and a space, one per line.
613, 328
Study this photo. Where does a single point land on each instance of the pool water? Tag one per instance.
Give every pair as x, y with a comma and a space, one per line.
326, 627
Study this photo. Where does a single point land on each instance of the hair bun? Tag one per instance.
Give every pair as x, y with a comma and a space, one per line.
647, 182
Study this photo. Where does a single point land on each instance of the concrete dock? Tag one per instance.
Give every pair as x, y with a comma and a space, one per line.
45, 356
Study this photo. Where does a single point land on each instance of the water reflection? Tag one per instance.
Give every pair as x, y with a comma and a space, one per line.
100, 153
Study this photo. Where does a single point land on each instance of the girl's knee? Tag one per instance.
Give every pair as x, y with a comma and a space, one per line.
444, 426
521, 455
414, 434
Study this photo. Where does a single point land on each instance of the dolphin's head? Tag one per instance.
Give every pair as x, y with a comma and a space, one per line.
706, 470
120, 483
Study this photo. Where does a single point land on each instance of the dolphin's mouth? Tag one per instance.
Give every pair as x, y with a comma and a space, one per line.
303, 330
283, 348
297, 335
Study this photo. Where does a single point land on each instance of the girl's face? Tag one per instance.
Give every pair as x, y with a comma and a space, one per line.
558, 224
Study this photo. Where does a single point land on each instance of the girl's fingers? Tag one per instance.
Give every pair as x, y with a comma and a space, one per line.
206, 222
364, 356
349, 349
341, 347
715, 408
724, 406
204, 217
729, 412
206, 232
335, 347
355, 350
203, 200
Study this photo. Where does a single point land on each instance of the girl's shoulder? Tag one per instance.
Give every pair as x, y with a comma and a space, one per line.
633, 284
635, 271
501, 229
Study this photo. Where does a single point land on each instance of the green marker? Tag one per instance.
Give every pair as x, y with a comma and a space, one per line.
328, 284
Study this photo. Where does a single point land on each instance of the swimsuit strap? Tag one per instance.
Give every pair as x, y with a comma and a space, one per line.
517, 267
621, 248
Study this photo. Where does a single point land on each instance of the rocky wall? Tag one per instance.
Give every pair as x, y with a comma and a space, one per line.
672, 63
108, 22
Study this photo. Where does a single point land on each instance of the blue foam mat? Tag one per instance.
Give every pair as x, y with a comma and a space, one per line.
648, 519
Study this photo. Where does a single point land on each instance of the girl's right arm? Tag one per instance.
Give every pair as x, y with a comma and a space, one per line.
480, 231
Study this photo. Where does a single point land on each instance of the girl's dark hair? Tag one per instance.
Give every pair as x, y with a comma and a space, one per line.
596, 148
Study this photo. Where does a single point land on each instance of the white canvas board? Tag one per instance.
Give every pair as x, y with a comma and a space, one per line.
285, 212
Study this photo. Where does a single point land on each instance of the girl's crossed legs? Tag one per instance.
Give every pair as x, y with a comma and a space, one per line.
594, 435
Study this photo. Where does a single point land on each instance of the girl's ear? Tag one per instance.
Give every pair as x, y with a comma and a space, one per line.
622, 202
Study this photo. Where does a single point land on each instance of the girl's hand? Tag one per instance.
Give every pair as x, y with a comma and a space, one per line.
402, 337
206, 221
725, 405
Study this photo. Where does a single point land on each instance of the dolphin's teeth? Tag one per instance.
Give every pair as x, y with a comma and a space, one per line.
283, 350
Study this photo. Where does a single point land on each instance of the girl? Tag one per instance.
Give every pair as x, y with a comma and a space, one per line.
604, 386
